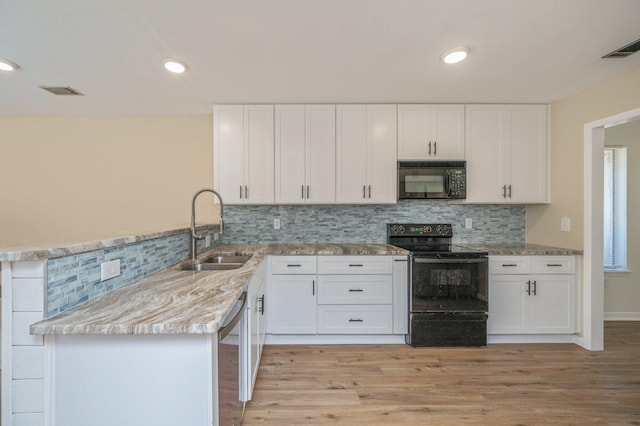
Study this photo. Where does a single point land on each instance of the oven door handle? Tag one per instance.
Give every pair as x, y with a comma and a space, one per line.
224, 331
458, 260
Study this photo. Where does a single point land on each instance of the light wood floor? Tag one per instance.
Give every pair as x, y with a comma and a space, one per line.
497, 385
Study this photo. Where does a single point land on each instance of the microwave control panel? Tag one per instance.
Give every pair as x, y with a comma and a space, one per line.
458, 184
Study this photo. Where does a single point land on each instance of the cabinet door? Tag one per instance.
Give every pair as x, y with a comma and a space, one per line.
292, 304
447, 132
485, 140
321, 154
433, 132
382, 166
258, 134
554, 307
228, 143
507, 304
290, 154
351, 154
528, 161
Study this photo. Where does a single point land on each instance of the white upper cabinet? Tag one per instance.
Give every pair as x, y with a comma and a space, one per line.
507, 154
243, 153
431, 132
366, 161
305, 148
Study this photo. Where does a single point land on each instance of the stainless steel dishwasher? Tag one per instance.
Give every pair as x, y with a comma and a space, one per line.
231, 349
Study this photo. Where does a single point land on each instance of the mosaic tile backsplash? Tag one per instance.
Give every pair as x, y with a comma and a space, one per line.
367, 223
74, 279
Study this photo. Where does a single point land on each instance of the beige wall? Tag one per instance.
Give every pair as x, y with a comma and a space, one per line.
71, 179
568, 118
622, 290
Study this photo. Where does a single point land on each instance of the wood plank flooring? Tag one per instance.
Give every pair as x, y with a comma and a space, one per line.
497, 385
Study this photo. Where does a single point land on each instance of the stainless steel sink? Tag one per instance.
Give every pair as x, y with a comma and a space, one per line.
216, 262
226, 258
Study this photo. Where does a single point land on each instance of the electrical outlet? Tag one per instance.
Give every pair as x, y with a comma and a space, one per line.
565, 224
109, 269
207, 241
216, 236
276, 223
468, 223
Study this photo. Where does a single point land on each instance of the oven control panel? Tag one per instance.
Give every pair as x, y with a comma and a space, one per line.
415, 229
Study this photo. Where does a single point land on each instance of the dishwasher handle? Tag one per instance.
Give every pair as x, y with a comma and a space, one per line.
224, 331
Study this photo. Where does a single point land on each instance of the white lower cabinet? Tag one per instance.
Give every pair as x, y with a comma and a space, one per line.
532, 295
256, 329
359, 295
292, 304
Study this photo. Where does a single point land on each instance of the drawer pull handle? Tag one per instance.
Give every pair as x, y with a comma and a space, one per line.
356, 290
510, 265
355, 320
296, 265
356, 264
554, 264
528, 288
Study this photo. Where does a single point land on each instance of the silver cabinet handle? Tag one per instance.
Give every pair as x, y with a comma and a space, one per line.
509, 191
356, 290
308, 192
356, 264
261, 310
429, 147
302, 191
535, 287
241, 192
369, 191
509, 265
364, 191
554, 265
313, 287
294, 265
529, 288
435, 148
504, 191
355, 320
246, 192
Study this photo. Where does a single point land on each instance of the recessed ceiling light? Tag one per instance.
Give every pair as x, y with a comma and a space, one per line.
455, 55
6, 65
174, 66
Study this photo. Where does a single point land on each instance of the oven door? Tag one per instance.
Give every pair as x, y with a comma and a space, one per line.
423, 183
449, 284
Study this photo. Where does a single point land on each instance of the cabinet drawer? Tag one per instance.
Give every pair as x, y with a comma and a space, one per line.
358, 319
293, 265
355, 289
355, 264
509, 264
553, 264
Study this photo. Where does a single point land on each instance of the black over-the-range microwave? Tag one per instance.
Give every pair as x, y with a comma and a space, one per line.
422, 180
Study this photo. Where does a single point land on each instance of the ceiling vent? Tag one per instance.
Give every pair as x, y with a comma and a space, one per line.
625, 51
61, 90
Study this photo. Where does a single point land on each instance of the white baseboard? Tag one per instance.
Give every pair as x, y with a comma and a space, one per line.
331, 339
531, 338
622, 316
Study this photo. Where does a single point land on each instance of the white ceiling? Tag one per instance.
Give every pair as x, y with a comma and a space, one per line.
314, 51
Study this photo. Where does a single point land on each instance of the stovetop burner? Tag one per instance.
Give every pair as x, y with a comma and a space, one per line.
428, 240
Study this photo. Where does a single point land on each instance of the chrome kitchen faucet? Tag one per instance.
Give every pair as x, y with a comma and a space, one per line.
195, 237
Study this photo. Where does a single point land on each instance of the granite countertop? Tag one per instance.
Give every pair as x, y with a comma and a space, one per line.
172, 301
523, 249
50, 250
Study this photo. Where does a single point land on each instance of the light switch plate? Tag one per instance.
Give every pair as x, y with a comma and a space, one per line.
109, 269
468, 223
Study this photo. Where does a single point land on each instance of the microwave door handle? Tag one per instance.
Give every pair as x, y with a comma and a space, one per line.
448, 188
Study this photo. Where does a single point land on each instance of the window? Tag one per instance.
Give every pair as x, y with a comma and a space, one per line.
615, 208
